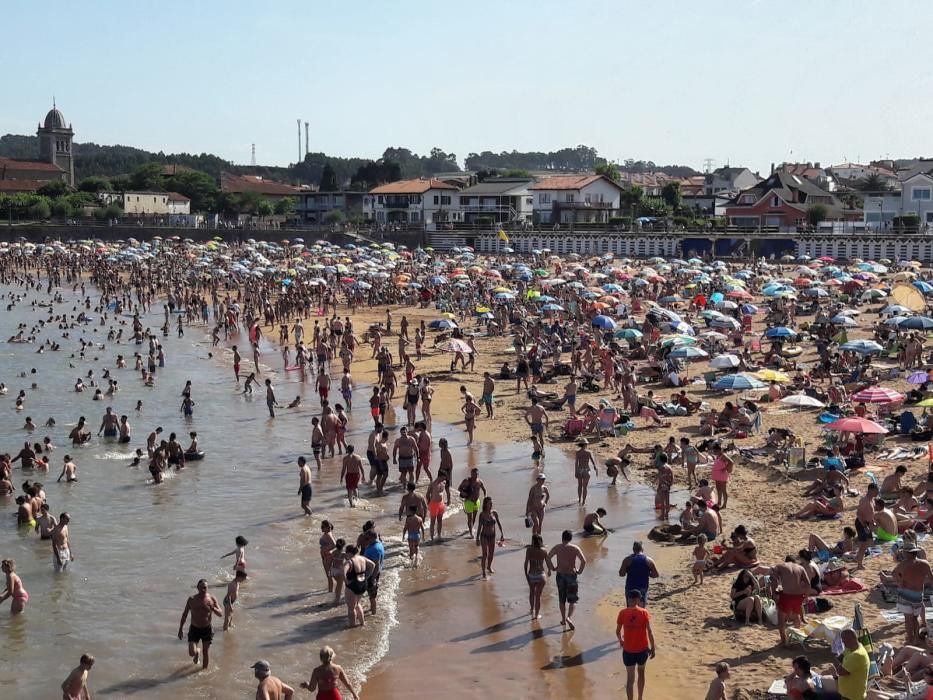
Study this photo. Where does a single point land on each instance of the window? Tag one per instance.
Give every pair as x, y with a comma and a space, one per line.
464, 201
920, 193
586, 199
570, 197
445, 199
747, 199
775, 201
529, 200
544, 198
380, 199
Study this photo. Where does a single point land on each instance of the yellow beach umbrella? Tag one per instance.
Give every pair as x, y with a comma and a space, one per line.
771, 375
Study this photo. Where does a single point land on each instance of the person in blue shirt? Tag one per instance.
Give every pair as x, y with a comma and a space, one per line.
375, 551
638, 568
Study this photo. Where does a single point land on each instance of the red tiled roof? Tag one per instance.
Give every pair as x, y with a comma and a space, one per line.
21, 185
255, 183
419, 186
9, 164
568, 182
175, 197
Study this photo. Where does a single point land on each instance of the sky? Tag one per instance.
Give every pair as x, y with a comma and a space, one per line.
743, 82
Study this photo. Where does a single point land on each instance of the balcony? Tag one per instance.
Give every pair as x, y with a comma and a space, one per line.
583, 205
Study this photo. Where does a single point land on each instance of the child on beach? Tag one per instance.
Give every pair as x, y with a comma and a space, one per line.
412, 533
240, 552
233, 592
537, 450
700, 557
717, 687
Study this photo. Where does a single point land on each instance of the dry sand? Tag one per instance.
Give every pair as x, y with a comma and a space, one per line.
693, 624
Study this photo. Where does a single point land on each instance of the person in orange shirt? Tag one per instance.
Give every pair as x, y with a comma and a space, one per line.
633, 630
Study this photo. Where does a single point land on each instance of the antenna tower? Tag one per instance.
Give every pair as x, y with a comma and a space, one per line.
307, 148
708, 164
253, 158
299, 142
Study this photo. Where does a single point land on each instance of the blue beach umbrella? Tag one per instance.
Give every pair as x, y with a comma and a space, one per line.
737, 382
917, 323
442, 324
780, 332
603, 322
924, 287
628, 333
688, 352
862, 347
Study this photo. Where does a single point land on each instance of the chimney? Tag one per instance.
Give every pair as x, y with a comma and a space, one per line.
772, 168
816, 165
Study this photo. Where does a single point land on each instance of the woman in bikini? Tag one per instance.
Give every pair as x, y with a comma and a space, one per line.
337, 567
536, 573
427, 393
324, 678
14, 587
341, 428
470, 411
328, 543
486, 524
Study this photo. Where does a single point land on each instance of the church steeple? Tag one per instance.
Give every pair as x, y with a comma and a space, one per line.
55, 142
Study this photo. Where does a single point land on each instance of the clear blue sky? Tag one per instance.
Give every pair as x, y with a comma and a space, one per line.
744, 81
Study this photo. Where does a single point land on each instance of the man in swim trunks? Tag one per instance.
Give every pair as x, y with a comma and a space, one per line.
436, 507
322, 384
304, 485
109, 424
885, 522
45, 522
317, 441
912, 574
412, 498
382, 461
470, 493
202, 607
413, 533
351, 472
61, 545
793, 583
404, 453
489, 386
537, 418
563, 559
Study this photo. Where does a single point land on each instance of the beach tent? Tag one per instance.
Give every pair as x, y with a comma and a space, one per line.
909, 296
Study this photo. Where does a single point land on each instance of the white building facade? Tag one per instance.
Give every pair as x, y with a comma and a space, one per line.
565, 199
420, 202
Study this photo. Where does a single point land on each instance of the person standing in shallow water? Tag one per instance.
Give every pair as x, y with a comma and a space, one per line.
14, 588
325, 677
202, 607
536, 573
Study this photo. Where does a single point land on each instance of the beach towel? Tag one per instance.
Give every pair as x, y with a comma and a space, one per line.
852, 585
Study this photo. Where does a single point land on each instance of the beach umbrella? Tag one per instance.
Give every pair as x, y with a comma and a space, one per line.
688, 352
877, 394
603, 322
917, 323
677, 340
862, 347
442, 324
815, 292
748, 309
918, 378
926, 403
727, 305
874, 294
772, 375
455, 345
737, 382
857, 425
713, 335
716, 297
727, 361
628, 333
894, 320
845, 321
725, 322
552, 307
896, 309
780, 332
923, 287
802, 401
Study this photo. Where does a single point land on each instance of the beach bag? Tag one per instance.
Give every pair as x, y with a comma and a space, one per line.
769, 611
464, 491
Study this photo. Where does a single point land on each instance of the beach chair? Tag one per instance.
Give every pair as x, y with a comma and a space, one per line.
755, 346
606, 421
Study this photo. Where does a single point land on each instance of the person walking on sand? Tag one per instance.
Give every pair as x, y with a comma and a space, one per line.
563, 560
270, 687
74, 687
536, 573
489, 387
486, 524
583, 458
469, 491
538, 497
325, 677
633, 630
202, 607
436, 507
638, 568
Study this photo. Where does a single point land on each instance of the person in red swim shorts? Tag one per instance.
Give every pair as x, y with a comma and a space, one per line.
324, 678
351, 473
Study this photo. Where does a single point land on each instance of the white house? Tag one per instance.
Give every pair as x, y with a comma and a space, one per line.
178, 204
420, 202
138, 203
502, 199
729, 179
575, 199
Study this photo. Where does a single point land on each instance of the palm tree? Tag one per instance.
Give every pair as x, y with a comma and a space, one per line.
873, 183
